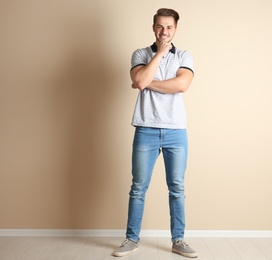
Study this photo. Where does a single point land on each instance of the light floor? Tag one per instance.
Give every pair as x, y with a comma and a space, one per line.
151, 248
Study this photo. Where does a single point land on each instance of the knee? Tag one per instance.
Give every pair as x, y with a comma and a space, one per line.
138, 190
176, 190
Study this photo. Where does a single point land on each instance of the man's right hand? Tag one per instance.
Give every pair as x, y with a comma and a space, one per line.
164, 48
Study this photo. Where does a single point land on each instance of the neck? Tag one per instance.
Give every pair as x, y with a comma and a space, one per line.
158, 42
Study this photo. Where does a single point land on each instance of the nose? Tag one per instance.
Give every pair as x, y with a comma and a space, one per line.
163, 31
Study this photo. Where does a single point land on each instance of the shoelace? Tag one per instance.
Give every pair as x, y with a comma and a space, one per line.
183, 243
125, 242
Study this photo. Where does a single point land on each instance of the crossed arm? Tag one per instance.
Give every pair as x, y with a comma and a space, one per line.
143, 77
180, 83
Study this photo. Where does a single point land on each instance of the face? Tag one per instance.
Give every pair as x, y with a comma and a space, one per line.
164, 29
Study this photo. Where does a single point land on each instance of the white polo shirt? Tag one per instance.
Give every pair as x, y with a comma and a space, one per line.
154, 109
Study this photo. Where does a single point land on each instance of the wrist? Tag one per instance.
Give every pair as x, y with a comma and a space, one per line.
152, 84
159, 55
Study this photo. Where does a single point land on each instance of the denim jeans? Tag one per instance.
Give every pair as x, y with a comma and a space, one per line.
147, 145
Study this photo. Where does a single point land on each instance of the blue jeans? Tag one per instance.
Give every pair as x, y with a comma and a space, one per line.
147, 145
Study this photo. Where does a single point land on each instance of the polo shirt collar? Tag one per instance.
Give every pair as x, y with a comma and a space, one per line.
154, 48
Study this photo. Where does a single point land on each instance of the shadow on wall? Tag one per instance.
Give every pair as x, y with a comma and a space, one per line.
61, 114
90, 76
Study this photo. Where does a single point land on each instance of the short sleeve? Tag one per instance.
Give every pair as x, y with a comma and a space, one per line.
138, 59
186, 61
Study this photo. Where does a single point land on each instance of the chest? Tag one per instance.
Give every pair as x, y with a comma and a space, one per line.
168, 67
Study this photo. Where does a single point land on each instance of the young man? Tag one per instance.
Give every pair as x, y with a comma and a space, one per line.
162, 73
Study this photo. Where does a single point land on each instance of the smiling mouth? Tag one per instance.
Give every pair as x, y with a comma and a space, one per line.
163, 36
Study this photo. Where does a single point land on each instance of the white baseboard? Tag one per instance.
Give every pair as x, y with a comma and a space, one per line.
144, 233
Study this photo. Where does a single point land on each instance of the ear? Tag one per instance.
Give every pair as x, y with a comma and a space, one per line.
153, 27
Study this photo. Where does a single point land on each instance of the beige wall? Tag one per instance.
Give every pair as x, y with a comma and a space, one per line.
66, 106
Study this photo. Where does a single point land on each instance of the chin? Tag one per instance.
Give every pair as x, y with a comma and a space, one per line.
165, 40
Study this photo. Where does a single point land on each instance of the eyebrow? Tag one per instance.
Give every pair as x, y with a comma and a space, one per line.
159, 25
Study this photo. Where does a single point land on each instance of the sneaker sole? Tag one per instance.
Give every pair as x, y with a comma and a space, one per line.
118, 254
190, 255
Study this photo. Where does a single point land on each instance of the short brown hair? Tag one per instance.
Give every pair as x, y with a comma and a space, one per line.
166, 12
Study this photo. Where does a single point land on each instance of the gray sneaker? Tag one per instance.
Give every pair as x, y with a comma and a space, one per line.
126, 248
182, 248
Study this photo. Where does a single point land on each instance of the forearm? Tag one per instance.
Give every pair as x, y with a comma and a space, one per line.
180, 83
144, 76
170, 86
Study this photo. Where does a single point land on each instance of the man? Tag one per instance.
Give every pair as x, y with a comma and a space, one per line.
162, 73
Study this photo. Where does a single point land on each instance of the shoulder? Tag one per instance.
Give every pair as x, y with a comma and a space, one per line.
141, 57
142, 51
185, 59
183, 53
